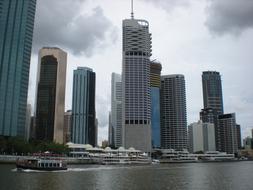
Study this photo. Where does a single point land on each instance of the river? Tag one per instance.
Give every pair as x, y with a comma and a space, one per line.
190, 176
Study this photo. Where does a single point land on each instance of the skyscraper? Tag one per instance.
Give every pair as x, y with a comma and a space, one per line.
213, 102
173, 112
116, 110
67, 126
228, 133
83, 106
239, 137
51, 94
136, 102
155, 82
212, 91
16, 33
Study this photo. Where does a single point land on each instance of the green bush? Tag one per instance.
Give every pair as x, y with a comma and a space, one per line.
17, 145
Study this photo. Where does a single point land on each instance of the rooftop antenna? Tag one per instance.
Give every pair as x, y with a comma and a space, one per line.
132, 8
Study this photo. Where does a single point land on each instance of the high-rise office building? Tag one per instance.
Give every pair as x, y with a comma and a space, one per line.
16, 33
173, 112
213, 102
136, 101
212, 91
239, 137
83, 107
228, 133
67, 126
155, 82
51, 94
116, 110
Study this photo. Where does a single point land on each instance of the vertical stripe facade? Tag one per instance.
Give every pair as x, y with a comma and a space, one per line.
16, 33
83, 107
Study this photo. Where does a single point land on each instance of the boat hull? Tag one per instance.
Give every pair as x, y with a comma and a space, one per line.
22, 167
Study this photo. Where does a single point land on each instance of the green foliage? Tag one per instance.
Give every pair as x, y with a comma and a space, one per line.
17, 145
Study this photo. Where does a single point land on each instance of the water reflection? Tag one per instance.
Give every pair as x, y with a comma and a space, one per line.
202, 176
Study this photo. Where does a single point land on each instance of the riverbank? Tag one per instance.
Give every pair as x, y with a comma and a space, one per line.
11, 159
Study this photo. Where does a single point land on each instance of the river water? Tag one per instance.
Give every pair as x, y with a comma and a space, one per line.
190, 176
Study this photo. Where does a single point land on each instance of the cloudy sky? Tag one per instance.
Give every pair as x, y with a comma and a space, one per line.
188, 36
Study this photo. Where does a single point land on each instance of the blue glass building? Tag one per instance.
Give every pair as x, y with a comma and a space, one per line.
83, 107
155, 117
155, 81
16, 33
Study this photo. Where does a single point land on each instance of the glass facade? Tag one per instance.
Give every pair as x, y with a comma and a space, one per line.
212, 91
155, 117
213, 102
16, 32
46, 98
83, 107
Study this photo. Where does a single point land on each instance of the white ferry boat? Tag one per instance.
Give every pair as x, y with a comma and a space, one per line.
217, 156
41, 164
42, 161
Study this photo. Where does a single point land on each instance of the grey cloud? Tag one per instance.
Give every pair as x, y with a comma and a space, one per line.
229, 16
62, 23
170, 5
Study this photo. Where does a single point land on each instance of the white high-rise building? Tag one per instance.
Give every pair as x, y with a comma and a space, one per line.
136, 102
201, 137
115, 136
